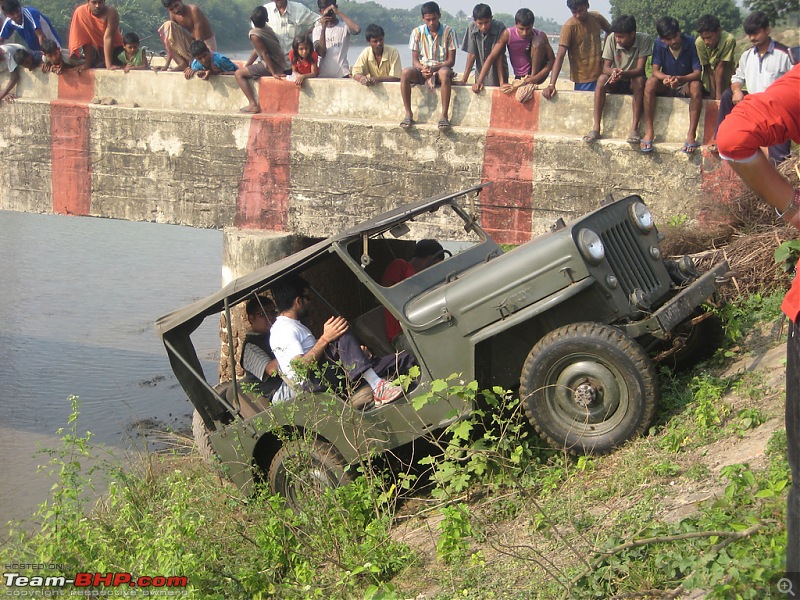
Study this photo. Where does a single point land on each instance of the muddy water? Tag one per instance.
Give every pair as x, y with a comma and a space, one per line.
78, 299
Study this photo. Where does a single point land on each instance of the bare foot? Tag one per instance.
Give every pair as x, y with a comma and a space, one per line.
250, 109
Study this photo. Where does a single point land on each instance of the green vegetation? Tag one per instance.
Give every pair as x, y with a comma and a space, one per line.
485, 510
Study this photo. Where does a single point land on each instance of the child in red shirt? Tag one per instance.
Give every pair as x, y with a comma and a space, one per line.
304, 59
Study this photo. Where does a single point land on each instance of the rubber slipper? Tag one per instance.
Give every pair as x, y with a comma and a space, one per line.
406, 122
646, 145
443, 124
633, 139
689, 148
591, 137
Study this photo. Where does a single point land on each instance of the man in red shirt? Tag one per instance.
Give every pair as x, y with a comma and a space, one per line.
426, 253
763, 120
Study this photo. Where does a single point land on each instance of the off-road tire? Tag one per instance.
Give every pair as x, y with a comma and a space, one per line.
302, 469
200, 435
590, 358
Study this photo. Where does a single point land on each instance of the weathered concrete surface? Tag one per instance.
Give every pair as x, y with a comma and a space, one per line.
321, 157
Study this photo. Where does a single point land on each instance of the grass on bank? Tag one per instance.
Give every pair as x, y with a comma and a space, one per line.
494, 513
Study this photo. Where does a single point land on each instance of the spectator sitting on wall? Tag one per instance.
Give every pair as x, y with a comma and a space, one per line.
12, 57
267, 49
289, 19
758, 68
331, 39
258, 362
481, 36
426, 253
377, 62
31, 25
433, 55
94, 34
186, 23
207, 63
716, 49
676, 73
297, 350
580, 36
134, 56
305, 61
56, 59
530, 53
624, 56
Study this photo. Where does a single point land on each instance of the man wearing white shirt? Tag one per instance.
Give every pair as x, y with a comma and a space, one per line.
331, 39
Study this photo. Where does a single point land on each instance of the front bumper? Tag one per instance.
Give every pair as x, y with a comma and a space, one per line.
678, 308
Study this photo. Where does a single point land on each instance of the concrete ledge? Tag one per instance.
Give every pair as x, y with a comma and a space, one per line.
319, 159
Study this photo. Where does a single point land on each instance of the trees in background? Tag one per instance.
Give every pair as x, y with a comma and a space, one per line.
685, 11
775, 9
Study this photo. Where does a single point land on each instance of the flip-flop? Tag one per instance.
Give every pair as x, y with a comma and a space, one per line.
646, 145
592, 136
689, 148
406, 122
633, 139
443, 124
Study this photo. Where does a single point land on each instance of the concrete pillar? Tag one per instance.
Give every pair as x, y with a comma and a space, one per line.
243, 251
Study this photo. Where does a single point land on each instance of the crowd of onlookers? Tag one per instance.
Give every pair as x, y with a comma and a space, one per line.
291, 41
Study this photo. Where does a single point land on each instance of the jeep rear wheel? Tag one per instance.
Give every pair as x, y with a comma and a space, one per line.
588, 388
201, 441
302, 470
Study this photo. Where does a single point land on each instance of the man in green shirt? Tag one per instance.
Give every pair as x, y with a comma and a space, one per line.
716, 49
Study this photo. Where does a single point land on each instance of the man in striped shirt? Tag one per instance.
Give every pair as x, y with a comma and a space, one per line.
433, 54
31, 25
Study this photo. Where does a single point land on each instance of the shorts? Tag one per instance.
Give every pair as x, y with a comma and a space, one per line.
589, 86
623, 86
682, 91
259, 69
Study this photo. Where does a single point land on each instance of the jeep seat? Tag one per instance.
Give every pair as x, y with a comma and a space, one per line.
370, 329
249, 404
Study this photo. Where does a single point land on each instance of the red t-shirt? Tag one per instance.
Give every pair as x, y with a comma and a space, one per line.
303, 66
398, 270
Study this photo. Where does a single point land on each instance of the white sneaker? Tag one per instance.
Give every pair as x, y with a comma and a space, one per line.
386, 393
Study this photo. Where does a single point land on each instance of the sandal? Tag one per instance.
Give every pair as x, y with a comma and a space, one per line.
443, 124
634, 138
592, 136
406, 122
689, 148
646, 145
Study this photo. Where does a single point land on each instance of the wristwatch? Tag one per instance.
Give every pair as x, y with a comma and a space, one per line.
794, 205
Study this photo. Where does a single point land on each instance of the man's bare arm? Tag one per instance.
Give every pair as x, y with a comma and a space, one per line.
550, 90
112, 25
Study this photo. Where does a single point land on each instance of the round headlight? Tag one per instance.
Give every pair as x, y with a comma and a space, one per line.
642, 216
591, 246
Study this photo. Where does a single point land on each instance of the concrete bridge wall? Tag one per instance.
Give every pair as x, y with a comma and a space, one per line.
320, 158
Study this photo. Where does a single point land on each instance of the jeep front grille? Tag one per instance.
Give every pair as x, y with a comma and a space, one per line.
631, 266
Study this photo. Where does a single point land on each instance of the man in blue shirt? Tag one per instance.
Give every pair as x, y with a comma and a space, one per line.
31, 25
677, 73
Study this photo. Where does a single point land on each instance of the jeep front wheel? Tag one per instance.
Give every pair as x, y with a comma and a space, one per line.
588, 388
302, 470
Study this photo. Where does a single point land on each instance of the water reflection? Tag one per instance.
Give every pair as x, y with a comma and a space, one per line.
78, 299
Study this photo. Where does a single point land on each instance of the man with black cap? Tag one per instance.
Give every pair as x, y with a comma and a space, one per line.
426, 253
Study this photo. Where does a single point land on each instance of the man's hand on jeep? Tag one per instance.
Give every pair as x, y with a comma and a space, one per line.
334, 328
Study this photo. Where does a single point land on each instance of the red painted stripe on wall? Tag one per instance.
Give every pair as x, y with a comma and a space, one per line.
71, 171
263, 198
78, 87
278, 96
508, 162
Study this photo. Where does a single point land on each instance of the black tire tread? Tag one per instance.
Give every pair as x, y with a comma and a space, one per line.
613, 336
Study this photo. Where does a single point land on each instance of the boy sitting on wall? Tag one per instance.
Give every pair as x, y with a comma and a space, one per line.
134, 56
433, 54
207, 63
377, 63
530, 53
676, 73
267, 48
717, 51
624, 56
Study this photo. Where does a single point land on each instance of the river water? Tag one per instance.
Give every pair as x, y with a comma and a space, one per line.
78, 301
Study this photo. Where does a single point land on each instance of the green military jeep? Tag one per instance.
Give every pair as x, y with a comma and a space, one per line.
574, 319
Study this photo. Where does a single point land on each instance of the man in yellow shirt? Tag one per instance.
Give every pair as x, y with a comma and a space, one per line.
717, 52
378, 62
